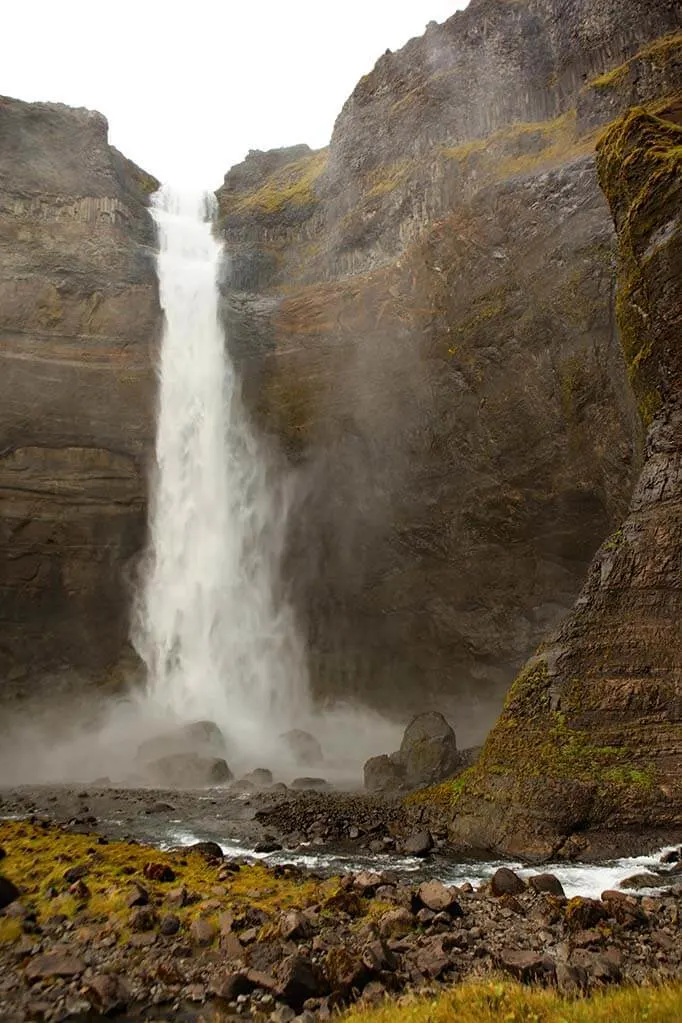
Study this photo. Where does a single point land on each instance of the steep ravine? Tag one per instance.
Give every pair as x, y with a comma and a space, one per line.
78, 320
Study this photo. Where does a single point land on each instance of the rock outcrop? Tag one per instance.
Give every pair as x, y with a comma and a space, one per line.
78, 319
424, 316
589, 745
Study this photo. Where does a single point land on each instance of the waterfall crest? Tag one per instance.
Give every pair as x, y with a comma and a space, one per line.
212, 622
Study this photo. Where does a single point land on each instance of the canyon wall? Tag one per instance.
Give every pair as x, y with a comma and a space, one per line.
589, 746
79, 315
425, 318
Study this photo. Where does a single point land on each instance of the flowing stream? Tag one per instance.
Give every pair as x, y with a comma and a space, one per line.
212, 622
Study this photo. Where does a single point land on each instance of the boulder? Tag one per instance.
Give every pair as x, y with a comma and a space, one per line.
8, 892
505, 882
303, 747
396, 923
109, 993
644, 880
261, 777
429, 750
200, 737
314, 784
526, 966
546, 883
54, 964
297, 980
419, 844
209, 850
384, 773
438, 897
188, 770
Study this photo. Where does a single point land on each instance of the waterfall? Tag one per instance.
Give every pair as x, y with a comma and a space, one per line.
212, 622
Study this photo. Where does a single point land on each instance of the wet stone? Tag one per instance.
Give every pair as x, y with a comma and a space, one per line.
547, 883
505, 882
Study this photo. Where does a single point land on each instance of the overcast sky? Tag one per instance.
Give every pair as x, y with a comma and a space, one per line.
189, 86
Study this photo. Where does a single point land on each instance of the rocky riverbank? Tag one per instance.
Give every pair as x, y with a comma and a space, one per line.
91, 928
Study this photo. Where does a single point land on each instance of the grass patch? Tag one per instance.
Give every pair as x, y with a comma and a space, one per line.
661, 49
289, 186
38, 857
495, 1002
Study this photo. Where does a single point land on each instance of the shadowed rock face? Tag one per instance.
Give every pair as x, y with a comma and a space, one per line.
78, 319
425, 318
590, 740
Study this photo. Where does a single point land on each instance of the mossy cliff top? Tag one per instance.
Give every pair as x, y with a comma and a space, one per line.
279, 189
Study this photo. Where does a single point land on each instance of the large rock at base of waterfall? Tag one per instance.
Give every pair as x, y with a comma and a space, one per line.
188, 770
202, 738
429, 750
384, 773
302, 746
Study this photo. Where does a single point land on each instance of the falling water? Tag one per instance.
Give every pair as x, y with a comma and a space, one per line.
212, 622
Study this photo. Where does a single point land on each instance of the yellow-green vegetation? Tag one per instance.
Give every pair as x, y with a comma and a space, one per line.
612, 78
386, 179
639, 160
525, 146
38, 857
291, 185
498, 1002
661, 50
532, 741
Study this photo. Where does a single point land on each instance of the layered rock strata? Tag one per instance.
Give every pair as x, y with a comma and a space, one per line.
589, 745
79, 316
425, 318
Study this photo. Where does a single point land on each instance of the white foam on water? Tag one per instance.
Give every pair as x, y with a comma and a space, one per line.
586, 879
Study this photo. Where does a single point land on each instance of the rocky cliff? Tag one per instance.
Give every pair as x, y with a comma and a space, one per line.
590, 741
78, 318
425, 317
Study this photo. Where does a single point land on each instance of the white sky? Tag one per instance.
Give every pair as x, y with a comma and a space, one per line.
188, 86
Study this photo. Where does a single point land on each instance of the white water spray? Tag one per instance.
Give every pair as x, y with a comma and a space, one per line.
212, 623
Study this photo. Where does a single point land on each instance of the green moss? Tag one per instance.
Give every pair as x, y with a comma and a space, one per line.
614, 541
292, 185
611, 78
523, 147
639, 161
38, 857
386, 179
662, 49
532, 741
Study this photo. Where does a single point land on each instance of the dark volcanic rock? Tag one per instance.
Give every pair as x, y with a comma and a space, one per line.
54, 964
505, 882
297, 980
429, 750
418, 844
8, 892
384, 773
546, 883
